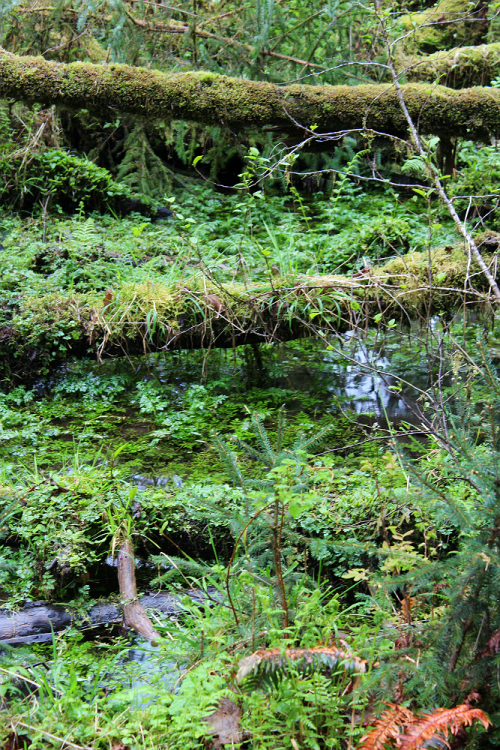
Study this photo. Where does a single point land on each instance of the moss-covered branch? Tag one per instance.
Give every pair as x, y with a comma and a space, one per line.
141, 318
237, 103
458, 67
448, 23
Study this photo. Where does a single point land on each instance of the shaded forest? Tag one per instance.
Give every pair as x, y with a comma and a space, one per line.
249, 335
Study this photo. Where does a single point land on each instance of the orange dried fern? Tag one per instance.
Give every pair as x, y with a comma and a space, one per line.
419, 730
387, 728
441, 723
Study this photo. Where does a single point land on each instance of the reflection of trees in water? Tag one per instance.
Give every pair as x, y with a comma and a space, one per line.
359, 381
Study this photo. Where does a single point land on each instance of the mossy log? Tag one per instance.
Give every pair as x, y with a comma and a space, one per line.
447, 24
456, 68
137, 319
238, 103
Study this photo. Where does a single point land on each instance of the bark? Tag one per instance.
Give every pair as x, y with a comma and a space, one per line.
48, 330
134, 614
36, 621
238, 103
456, 68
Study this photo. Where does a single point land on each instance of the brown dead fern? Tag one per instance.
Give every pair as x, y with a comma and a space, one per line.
418, 730
388, 727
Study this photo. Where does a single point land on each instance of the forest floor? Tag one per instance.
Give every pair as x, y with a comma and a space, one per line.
90, 449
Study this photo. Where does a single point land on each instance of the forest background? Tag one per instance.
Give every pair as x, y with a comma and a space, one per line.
249, 364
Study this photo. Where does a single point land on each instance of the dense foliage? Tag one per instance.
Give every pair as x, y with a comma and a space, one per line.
334, 500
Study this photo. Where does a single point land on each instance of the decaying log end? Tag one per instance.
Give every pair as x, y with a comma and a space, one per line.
134, 614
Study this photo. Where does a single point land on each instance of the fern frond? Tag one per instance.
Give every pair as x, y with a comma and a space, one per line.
414, 166
273, 663
441, 722
387, 727
85, 233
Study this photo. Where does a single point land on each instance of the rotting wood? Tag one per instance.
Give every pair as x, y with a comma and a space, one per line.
36, 621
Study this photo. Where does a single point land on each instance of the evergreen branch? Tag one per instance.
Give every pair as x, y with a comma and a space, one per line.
262, 438
228, 459
281, 430
303, 443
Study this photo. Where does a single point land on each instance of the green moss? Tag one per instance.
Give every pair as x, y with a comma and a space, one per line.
211, 98
447, 24
456, 68
149, 316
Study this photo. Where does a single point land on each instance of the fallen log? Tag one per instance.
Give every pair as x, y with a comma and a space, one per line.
456, 68
145, 318
35, 622
238, 103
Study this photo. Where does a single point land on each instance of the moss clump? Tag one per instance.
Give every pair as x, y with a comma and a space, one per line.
447, 24
457, 68
407, 280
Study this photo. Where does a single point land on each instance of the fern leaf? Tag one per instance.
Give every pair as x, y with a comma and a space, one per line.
275, 661
387, 727
441, 722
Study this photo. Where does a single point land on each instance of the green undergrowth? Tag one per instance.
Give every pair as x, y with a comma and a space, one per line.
84, 284
382, 553
100, 430
242, 238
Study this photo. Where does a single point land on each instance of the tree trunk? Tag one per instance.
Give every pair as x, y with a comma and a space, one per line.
238, 103
134, 614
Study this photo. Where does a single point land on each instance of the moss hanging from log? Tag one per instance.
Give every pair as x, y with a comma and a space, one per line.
237, 103
136, 319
